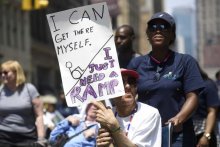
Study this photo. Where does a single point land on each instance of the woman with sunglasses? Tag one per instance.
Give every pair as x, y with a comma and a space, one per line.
21, 110
169, 81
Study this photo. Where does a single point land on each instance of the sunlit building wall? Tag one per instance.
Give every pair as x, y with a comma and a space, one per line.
15, 35
185, 27
208, 28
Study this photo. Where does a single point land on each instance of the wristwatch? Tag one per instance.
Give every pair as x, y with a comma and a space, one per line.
207, 135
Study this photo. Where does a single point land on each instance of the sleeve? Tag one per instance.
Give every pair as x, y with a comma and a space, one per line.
135, 62
149, 132
61, 128
211, 93
32, 91
192, 79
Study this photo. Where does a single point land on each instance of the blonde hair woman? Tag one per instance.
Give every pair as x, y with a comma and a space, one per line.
21, 117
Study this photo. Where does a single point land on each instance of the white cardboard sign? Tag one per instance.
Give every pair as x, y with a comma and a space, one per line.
84, 44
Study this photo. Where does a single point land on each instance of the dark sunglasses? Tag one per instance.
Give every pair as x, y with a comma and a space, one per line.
4, 72
160, 27
131, 81
157, 74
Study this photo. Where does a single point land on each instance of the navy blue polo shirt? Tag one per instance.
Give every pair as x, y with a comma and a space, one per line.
208, 97
164, 86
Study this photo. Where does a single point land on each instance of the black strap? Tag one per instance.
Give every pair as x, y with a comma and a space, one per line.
1, 89
80, 132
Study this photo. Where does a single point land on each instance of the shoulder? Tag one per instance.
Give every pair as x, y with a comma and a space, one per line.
32, 90
136, 61
210, 84
151, 111
187, 62
139, 58
30, 86
184, 57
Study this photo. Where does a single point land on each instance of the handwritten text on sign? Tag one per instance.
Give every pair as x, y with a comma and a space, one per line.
85, 48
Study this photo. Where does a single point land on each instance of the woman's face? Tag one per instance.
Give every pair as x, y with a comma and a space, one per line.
8, 76
159, 33
92, 111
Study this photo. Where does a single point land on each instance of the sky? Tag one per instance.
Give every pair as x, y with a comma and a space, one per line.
170, 4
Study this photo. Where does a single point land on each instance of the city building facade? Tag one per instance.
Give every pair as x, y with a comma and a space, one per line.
26, 36
186, 29
208, 28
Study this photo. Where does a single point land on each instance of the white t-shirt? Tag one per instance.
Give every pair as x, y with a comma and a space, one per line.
145, 126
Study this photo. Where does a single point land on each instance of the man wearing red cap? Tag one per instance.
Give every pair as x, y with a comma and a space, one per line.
129, 123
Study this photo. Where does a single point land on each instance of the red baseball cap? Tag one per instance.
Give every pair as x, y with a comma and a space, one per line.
130, 73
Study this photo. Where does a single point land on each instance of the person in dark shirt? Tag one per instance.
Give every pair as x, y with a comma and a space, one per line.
217, 76
124, 37
205, 116
169, 81
63, 108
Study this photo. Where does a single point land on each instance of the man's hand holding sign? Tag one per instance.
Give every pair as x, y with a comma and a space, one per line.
84, 44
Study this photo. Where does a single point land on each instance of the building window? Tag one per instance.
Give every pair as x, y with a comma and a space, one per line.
38, 26
12, 26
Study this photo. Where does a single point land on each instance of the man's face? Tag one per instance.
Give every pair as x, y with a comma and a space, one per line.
130, 85
123, 39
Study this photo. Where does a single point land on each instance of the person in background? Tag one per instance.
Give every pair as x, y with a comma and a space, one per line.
63, 108
217, 76
21, 110
129, 123
205, 116
169, 81
124, 37
51, 116
74, 124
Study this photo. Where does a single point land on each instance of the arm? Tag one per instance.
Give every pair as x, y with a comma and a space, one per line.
121, 140
73, 120
61, 127
38, 110
211, 119
210, 124
106, 118
104, 138
187, 110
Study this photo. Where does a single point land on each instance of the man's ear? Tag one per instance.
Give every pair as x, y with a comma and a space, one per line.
136, 97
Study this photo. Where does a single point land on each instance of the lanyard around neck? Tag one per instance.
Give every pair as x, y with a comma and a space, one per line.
130, 119
160, 62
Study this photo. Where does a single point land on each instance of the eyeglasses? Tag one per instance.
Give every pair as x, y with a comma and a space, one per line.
157, 75
160, 27
4, 72
131, 81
